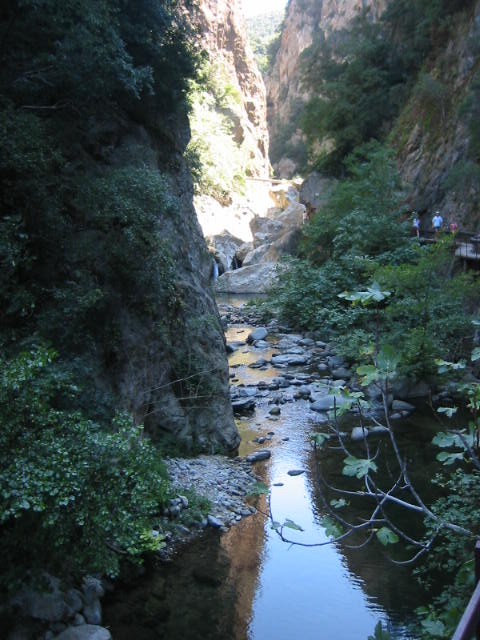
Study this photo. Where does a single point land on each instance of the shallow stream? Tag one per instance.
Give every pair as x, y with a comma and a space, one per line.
247, 584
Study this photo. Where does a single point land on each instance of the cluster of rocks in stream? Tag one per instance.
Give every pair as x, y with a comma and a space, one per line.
224, 482
308, 369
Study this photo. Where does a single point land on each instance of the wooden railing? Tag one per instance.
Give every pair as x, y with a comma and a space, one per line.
469, 625
467, 245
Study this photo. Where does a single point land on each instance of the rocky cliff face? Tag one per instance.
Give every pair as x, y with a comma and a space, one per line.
224, 37
174, 373
431, 136
285, 94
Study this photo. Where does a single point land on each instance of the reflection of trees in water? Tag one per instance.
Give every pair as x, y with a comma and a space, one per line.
244, 544
206, 592
186, 599
392, 586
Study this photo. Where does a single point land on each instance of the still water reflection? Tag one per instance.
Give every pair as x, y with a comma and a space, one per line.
249, 585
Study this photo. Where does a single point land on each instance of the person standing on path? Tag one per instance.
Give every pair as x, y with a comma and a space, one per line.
416, 224
437, 222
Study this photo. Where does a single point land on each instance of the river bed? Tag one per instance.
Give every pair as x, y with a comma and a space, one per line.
248, 584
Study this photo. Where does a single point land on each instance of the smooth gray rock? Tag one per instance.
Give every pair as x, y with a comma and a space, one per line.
290, 359
259, 333
401, 405
85, 632
296, 472
326, 403
92, 589
341, 372
243, 405
256, 456
92, 612
358, 433
74, 601
214, 522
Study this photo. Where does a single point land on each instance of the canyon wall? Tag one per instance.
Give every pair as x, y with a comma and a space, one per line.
304, 20
224, 38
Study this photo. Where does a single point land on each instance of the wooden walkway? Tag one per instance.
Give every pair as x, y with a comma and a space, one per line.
467, 245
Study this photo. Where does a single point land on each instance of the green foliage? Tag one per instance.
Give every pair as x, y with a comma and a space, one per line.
82, 246
428, 317
218, 162
358, 467
332, 528
353, 79
361, 76
451, 555
264, 32
71, 493
386, 536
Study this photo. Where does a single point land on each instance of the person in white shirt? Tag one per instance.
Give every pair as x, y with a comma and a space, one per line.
437, 222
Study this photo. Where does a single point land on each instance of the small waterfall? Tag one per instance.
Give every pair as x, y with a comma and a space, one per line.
235, 264
214, 270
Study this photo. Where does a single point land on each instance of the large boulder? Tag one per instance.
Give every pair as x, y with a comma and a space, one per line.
265, 230
283, 195
284, 245
257, 255
293, 216
256, 278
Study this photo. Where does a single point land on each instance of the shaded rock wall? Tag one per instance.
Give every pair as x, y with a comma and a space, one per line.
431, 137
174, 374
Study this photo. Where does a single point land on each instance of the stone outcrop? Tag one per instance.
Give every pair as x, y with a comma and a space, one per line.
170, 360
275, 234
224, 37
285, 94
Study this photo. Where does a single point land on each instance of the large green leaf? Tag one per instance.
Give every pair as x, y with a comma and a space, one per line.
319, 438
448, 411
476, 354
434, 627
388, 359
444, 365
358, 467
290, 524
369, 373
371, 294
449, 458
332, 528
387, 536
339, 503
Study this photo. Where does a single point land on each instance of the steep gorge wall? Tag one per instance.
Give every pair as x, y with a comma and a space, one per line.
174, 373
285, 94
431, 137
224, 37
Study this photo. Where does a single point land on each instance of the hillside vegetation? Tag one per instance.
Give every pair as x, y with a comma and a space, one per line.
81, 246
